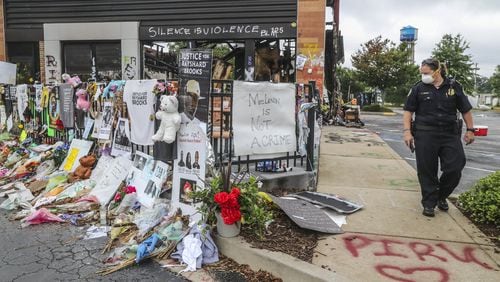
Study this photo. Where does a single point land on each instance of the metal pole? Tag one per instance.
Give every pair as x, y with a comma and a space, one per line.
311, 117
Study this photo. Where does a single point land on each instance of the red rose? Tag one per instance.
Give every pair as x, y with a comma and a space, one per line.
118, 197
130, 190
221, 198
230, 216
235, 191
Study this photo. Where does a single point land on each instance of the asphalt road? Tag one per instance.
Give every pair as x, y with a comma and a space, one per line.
53, 252
483, 156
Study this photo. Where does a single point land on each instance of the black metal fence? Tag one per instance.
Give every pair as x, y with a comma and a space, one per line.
219, 131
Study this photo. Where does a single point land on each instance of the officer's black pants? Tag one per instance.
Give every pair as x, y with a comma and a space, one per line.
431, 147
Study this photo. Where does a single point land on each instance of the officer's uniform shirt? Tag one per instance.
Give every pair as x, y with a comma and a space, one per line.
437, 107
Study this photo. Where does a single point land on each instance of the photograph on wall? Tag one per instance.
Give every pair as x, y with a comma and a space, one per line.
195, 74
107, 121
121, 140
22, 100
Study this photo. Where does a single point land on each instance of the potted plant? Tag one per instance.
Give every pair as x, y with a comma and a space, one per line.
228, 204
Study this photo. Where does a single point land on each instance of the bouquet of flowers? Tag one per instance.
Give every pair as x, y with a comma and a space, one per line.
121, 194
229, 205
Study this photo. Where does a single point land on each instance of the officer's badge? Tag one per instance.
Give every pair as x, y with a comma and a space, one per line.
450, 92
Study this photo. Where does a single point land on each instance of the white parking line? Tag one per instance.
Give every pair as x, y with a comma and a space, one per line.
469, 167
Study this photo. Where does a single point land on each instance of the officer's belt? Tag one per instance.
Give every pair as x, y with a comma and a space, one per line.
435, 128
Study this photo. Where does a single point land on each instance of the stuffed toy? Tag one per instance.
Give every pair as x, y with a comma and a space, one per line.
82, 102
170, 119
84, 170
74, 81
112, 88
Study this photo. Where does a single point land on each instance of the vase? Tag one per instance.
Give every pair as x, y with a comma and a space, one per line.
227, 230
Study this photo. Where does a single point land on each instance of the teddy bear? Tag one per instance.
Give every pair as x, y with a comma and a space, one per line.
74, 81
170, 119
82, 102
84, 170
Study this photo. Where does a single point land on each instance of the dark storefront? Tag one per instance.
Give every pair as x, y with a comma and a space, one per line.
241, 29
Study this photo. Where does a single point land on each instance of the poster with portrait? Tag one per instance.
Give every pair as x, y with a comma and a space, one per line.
148, 177
54, 113
67, 110
97, 127
109, 182
195, 74
161, 171
38, 97
107, 121
189, 167
22, 100
121, 140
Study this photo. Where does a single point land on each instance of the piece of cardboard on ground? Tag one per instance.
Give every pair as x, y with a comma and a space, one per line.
329, 201
307, 216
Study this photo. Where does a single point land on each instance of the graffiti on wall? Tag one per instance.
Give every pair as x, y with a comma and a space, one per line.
403, 254
51, 68
130, 69
310, 63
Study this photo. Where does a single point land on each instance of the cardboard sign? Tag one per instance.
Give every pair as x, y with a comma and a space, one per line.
264, 118
8, 73
110, 180
77, 149
189, 167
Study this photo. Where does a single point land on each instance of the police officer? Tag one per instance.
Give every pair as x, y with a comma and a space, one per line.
435, 133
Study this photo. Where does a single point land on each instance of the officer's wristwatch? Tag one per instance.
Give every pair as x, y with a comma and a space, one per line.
471, 129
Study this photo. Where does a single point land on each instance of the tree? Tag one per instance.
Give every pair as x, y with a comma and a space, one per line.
452, 51
349, 82
382, 65
483, 84
494, 81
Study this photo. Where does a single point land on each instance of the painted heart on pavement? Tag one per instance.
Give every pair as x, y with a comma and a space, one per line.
384, 270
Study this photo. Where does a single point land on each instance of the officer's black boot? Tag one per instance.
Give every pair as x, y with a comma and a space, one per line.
428, 212
443, 205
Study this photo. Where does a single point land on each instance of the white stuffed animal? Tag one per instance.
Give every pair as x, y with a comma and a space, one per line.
170, 119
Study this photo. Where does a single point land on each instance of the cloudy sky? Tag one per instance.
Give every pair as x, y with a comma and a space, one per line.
477, 20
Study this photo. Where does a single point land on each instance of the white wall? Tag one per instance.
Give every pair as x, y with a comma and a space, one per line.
126, 32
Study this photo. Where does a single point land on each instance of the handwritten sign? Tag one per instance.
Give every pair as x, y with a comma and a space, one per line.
264, 118
230, 31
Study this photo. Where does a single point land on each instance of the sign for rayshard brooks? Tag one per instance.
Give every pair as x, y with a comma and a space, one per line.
228, 31
264, 118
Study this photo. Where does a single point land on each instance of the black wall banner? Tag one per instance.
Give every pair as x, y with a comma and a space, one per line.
225, 31
195, 74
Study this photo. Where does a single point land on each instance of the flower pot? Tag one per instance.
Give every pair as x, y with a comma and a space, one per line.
227, 230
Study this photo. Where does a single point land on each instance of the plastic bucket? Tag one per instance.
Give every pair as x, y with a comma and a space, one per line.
481, 130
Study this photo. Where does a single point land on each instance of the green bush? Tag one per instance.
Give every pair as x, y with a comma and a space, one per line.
376, 108
482, 202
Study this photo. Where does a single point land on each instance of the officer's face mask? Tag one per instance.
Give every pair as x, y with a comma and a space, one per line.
427, 78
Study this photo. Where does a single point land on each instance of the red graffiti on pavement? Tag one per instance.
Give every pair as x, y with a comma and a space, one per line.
382, 269
408, 250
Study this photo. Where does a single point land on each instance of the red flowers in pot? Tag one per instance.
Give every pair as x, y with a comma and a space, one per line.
229, 205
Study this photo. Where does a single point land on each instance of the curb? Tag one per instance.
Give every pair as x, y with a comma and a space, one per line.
378, 114
279, 264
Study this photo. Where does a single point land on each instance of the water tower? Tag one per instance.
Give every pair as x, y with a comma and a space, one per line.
409, 35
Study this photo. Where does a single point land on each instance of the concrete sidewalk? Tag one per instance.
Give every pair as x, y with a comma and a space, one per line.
390, 240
